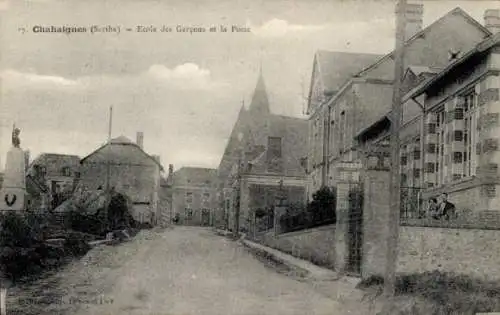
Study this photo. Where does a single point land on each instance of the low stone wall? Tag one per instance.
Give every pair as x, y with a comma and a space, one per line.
473, 252
316, 245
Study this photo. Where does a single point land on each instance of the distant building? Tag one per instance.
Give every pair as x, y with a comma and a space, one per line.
132, 172
194, 195
263, 151
59, 172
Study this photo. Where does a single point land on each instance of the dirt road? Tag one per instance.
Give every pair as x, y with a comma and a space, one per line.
182, 271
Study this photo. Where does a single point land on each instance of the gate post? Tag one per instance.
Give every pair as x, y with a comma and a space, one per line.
376, 211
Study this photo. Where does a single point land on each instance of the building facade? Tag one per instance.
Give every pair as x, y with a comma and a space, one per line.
264, 160
59, 172
338, 115
131, 172
194, 195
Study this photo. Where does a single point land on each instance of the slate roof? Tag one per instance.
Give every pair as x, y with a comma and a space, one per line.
479, 48
337, 67
195, 175
389, 72
120, 150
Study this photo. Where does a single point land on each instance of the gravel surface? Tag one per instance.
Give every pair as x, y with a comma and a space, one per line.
179, 271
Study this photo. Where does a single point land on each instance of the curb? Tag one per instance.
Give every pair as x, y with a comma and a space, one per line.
314, 272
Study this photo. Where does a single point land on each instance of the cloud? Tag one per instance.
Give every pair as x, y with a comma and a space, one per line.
187, 76
279, 28
12, 79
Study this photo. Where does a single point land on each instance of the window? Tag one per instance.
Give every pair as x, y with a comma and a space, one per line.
274, 154
77, 175
440, 145
469, 134
274, 147
66, 171
189, 197
453, 164
188, 212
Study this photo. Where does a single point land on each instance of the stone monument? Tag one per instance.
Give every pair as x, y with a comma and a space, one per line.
13, 192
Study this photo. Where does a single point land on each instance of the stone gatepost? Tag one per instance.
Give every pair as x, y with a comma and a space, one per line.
341, 227
347, 175
376, 210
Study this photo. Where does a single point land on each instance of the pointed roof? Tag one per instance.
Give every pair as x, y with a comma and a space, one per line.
260, 102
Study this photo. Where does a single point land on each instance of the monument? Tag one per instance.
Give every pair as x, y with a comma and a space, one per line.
13, 192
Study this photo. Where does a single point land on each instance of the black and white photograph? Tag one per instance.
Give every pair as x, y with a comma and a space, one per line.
250, 157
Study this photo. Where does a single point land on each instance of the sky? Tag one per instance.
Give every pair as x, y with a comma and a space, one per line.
183, 90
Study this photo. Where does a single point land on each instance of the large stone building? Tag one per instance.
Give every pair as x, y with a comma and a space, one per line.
194, 195
265, 153
132, 172
353, 122
341, 110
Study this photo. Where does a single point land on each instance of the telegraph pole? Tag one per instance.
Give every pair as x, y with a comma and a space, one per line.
396, 119
108, 168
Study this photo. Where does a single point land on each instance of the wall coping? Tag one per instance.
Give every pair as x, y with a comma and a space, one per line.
305, 231
452, 225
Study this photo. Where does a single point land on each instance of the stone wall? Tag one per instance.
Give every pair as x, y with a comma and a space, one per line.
316, 245
467, 251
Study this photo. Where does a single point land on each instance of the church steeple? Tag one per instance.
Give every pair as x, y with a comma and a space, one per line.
260, 102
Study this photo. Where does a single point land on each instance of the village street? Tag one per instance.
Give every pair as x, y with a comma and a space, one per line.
180, 270
192, 271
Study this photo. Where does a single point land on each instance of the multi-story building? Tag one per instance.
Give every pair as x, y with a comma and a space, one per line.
360, 100
131, 172
458, 145
193, 195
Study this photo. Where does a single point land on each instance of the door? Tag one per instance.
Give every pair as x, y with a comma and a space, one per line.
205, 217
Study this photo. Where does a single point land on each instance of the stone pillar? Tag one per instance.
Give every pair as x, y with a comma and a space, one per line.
376, 210
341, 227
13, 192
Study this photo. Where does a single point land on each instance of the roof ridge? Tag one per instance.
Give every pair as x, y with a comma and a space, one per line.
420, 33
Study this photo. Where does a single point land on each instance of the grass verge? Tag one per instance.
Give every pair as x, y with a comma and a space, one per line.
435, 293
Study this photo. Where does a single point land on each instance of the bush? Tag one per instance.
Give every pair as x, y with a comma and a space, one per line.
320, 211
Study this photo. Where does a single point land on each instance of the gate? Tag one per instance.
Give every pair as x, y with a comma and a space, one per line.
355, 229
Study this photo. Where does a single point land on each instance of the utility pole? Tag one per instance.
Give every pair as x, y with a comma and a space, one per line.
396, 119
108, 168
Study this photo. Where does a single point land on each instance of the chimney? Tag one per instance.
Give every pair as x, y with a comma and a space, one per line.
157, 158
140, 139
492, 20
170, 169
414, 19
